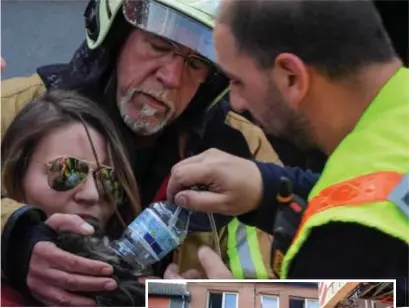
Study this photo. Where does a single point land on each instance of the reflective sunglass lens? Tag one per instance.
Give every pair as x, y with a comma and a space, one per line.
66, 173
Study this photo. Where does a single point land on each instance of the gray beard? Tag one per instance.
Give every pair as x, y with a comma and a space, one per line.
140, 126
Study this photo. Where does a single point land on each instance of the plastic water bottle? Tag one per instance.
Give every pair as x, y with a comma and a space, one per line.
157, 231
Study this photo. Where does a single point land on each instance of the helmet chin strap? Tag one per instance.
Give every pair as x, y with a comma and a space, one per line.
110, 88
217, 99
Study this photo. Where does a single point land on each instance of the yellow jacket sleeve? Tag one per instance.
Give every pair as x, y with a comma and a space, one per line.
257, 141
15, 94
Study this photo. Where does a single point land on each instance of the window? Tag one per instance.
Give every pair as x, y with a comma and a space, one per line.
222, 300
229, 300
269, 301
311, 303
215, 300
297, 302
303, 303
177, 302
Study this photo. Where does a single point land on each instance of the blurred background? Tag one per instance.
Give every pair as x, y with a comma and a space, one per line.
39, 32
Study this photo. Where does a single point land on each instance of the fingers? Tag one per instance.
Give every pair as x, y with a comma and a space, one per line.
209, 154
68, 222
52, 296
185, 176
191, 274
197, 159
172, 272
203, 201
213, 265
62, 260
74, 282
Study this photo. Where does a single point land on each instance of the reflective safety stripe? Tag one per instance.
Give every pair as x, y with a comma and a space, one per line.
234, 258
261, 271
246, 260
358, 200
358, 191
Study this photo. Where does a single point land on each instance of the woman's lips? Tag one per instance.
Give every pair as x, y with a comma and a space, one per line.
88, 217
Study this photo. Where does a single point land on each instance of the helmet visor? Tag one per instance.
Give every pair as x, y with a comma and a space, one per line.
167, 22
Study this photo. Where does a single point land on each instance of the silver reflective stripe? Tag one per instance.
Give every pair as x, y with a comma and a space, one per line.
400, 195
243, 251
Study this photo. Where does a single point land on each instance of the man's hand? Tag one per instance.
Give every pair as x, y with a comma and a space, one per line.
53, 273
235, 184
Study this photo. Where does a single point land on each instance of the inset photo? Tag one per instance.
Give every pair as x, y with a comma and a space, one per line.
269, 294
232, 294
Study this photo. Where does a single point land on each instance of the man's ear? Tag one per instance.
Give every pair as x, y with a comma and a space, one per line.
290, 75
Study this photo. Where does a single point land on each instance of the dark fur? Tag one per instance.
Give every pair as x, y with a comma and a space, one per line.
129, 292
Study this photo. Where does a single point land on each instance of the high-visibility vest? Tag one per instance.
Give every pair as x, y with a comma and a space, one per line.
365, 180
243, 250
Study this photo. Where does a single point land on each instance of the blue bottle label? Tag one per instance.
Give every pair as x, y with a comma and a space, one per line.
154, 233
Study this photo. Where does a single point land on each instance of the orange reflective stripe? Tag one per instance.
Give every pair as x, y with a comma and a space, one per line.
369, 188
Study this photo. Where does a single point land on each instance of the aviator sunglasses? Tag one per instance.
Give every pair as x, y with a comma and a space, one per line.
65, 173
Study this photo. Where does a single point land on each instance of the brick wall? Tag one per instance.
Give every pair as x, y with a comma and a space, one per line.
158, 302
249, 294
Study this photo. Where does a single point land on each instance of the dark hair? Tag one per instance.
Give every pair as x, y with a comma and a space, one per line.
337, 37
57, 109
53, 110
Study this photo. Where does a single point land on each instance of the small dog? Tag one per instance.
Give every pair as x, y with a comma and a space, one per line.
97, 247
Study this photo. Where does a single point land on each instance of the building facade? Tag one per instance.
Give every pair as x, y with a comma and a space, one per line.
167, 295
355, 294
252, 295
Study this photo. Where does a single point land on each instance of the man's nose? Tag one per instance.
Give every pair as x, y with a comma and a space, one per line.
87, 193
237, 102
171, 73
